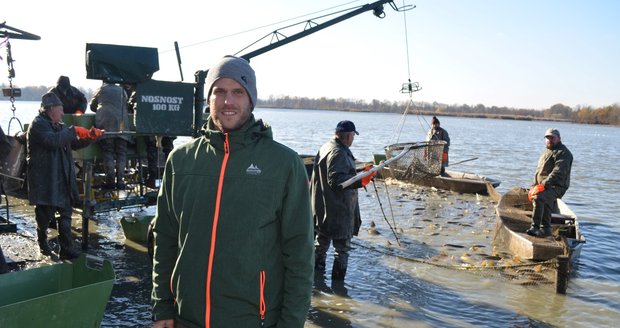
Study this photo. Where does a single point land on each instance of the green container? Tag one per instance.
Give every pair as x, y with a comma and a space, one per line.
164, 108
136, 228
378, 158
60, 295
93, 151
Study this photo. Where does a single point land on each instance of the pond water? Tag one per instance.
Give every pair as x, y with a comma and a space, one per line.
416, 283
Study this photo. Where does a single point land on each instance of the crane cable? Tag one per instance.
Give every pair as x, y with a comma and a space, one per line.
409, 87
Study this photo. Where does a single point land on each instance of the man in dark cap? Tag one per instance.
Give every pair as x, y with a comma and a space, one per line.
335, 209
438, 133
52, 185
73, 100
233, 227
551, 180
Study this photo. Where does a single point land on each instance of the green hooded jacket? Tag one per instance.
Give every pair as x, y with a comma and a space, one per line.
259, 258
553, 169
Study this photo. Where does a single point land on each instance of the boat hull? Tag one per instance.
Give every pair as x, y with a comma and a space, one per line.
461, 182
136, 228
514, 218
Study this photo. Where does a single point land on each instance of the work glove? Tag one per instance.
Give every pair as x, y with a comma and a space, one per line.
92, 134
366, 180
95, 133
534, 191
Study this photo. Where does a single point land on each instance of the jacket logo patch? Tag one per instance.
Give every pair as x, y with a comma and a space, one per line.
253, 170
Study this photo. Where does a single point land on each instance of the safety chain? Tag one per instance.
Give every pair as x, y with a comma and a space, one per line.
11, 70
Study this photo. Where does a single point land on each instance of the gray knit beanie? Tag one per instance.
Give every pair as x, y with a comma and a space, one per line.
234, 68
50, 99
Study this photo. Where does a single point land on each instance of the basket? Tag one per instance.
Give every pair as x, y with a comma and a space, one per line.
422, 159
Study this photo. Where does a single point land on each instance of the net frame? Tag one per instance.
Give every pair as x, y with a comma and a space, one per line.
421, 160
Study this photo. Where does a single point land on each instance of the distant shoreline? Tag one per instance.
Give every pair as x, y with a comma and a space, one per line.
426, 113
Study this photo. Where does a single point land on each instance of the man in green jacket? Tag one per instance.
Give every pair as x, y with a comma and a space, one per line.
233, 229
551, 180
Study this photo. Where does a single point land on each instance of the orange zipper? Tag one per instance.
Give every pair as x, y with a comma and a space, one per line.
216, 217
262, 305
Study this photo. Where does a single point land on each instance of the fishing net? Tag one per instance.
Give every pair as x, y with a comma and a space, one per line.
492, 266
420, 159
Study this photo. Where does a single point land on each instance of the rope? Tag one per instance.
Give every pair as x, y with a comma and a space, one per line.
409, 87
389, 201
382, 211
407, 46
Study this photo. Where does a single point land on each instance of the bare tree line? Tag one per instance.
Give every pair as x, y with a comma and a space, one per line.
608, 115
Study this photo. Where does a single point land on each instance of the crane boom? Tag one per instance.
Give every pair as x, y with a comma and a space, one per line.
376, 7
200, 76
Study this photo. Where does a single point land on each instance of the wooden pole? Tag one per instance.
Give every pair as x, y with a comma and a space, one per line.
87, 204
562, 274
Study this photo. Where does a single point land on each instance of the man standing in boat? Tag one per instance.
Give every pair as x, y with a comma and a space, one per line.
73, 100
233, 227
335, 209
52, 184
110, 105
438, 133
551, 180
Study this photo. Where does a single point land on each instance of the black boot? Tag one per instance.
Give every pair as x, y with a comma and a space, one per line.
319, 262
339, 270
537, 217
67, 252
44, 246
4, 268
537, 232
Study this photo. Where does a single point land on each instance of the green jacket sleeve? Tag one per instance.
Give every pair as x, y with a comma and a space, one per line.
165, 231
297, 248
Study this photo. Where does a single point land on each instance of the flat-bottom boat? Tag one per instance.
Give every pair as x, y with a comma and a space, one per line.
461, 182
514, 212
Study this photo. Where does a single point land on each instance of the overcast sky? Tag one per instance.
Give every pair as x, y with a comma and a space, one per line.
522, 54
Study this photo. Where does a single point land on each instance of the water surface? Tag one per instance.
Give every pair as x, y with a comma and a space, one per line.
392, 286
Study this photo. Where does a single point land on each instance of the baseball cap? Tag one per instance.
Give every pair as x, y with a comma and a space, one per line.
552, 132
346, 126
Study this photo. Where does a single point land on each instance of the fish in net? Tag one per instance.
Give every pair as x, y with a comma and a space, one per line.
415, 160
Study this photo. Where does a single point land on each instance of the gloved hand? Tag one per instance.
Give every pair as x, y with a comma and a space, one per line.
366, 180
82, 132
534, 191
92, 134
95, 133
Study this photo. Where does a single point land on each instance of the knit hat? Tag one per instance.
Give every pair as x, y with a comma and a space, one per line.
234, 68
435, 120
63, 82
50, 99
